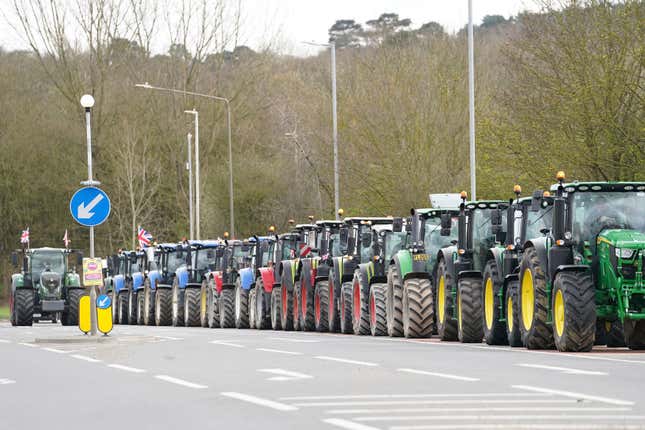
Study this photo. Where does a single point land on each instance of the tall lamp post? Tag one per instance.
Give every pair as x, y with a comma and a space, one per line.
197, 193
189, 167
471, 102
230, 148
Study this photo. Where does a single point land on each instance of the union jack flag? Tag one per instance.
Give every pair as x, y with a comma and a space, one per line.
24, 237
145, 238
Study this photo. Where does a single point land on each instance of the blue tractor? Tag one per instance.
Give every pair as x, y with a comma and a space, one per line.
190, 300
245, 294
127, 279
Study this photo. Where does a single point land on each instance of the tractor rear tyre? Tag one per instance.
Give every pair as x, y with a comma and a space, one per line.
446, 323
262, 311
122, 307
132, 306
227, 308
73, 299
241, 306
177, 304
148, 304
203, 304
469, 310
418, 308
321, 306
253, 306
192, 302
140, 307
494, 328
346, 308
635, 334
513, 334
276, 308
286, 312
360, 305
533, 304
333, 294
113, 299
307, 299
614, 334
163, 306
212, 306
378, 312
295, 308
394, 303
574, 311
23, 306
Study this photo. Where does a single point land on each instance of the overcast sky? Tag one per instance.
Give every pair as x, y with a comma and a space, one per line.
293, 21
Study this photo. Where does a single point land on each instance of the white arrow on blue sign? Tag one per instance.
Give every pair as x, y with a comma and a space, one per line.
89, 206
103, 301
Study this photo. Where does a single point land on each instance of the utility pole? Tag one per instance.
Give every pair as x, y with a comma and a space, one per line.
471, 102
189, 167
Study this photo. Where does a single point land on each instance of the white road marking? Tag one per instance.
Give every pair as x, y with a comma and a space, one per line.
126, 368
279, 351
566, 370
295, 340
260, 401
437, 402
221, 342
58, 351
5, 341
5, 381
170, 337
345, 360
284, 375
575, 395
554, 354
516, 426
413, 396
544, 417
30, 345
478, 409
349, 425
439, 375
86, 358
180, 382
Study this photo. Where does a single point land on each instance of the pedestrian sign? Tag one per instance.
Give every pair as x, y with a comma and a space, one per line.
92, 272
84, 321
90, 206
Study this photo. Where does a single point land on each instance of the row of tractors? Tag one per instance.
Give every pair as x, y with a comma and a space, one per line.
561, 268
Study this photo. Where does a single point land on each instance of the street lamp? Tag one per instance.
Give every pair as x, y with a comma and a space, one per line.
332, 45
189, 167
197, 184
471, 101
230, 146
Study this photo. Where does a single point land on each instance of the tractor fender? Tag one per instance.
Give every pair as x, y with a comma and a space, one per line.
155, 278
365, 271
246, 278
348, 266
219, 281
572, 268
402, 261
469, 274
446, 254
288, 274
266, 273
322, 271
193, 285
539, 244
118, 283
307, 273
17, 281
73, 280
137, 281
182, 277
496, 255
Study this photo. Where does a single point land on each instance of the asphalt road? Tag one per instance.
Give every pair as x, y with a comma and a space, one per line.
189, 378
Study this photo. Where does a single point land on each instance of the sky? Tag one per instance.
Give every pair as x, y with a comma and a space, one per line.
290, 22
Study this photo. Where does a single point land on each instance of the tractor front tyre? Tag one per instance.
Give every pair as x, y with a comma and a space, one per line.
614, 334
252, 308
113, 299
276, 308
140, 307
333, 314
494, 327
378, 312
469, 310
212, 307
227, 308
241, 306
73, 300
446, 323
203, 305
321, 306
513, 334
286, 312
23, 306
307, 305
148, 305
192, 301
418, 308
295, 294
132, 306
122, 307
163, 306
346, 308
177, 304
533, 304
635, 334
262, 311
360, 306
574, 311
394, 303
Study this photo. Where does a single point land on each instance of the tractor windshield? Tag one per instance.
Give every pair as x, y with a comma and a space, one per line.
482, 233
288, 250
597, 211
267, 255
433, 241
121, 264
335, 245
53, 261
394, 242
174, 261
203, 258
538, 221
241, 255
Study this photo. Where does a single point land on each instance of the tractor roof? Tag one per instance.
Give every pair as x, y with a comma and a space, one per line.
328, 222
601, 186
167, 246
435, 212
373, 220
382, 227
305, 227
485, 204
47, 249
205, 243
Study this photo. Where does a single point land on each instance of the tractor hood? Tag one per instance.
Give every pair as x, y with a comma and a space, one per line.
632, 239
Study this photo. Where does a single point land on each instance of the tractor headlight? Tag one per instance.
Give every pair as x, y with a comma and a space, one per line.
625, 253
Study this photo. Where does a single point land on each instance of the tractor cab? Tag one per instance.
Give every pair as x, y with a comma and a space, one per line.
328, 239
430, 229
262, 251
203, 258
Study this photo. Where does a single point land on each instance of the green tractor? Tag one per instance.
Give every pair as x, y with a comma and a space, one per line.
45, 286
588, 269
410, 293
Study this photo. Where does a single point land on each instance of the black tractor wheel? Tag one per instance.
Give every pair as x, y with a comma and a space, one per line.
446, 323
574, 311
321, 306
360, 305
212, 305
295, 294
276, 308
192, 301
140, 307
148, 305
378, 312
203, 304
241, 306
533, 306
513, 334
163, 306
418, 308
112, 294
23, 306
345, 305
253, 306
286, 312
262, 311
635, 334
333, 294
307, 299
177, 304
227, 308
494, 328
614, 334
469, 310
132, 306
122, 307
394, 303
73, 300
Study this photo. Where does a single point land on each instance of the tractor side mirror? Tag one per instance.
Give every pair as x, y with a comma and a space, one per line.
344, 233
446, 222
14, 258
408, 224
79, 258
496, 217
397, 225
366, 239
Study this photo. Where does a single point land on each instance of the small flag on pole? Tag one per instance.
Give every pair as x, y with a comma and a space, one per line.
66, 240
144, 238
24, 237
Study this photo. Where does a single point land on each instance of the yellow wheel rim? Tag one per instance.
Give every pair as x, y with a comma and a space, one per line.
509, 313
441, 300
203, 301
488, 303
528, 299
558, 313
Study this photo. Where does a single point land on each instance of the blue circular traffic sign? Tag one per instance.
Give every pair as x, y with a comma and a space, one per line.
103, 301
89, 206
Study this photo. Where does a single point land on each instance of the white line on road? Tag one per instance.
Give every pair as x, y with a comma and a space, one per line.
478, 409
285, 375
221, 342
437, 402
260, 401
295, 340
5, 341
30, 345
345, 360
279, 351
349, 425
413, 396
439, 375
126, 368
5, 381
169, 337
575, 395
57, 351
180, 382
554, 354
544, 417
516, 426
567, 370
86, 358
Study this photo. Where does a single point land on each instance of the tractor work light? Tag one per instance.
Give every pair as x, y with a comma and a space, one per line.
510, 247
560, 176
341, 211
625, 253
461, 251
463, 195
517, 189
559, 242
567, 235
546, 194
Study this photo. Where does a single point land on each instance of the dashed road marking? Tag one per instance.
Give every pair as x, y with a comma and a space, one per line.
279, 351
575, 395
345, 360
180, 382
544, 417
436, 402
86, 358
30, 345
5, 341
478, 409
57, 351
412, 396
260, 401
348, 425
221, 342
126, 368
439, 375
516, 426
567, 370
5, 381
285, 375
169, 337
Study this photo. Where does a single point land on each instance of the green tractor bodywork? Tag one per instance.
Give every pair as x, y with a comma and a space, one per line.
45, 286
588, 271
